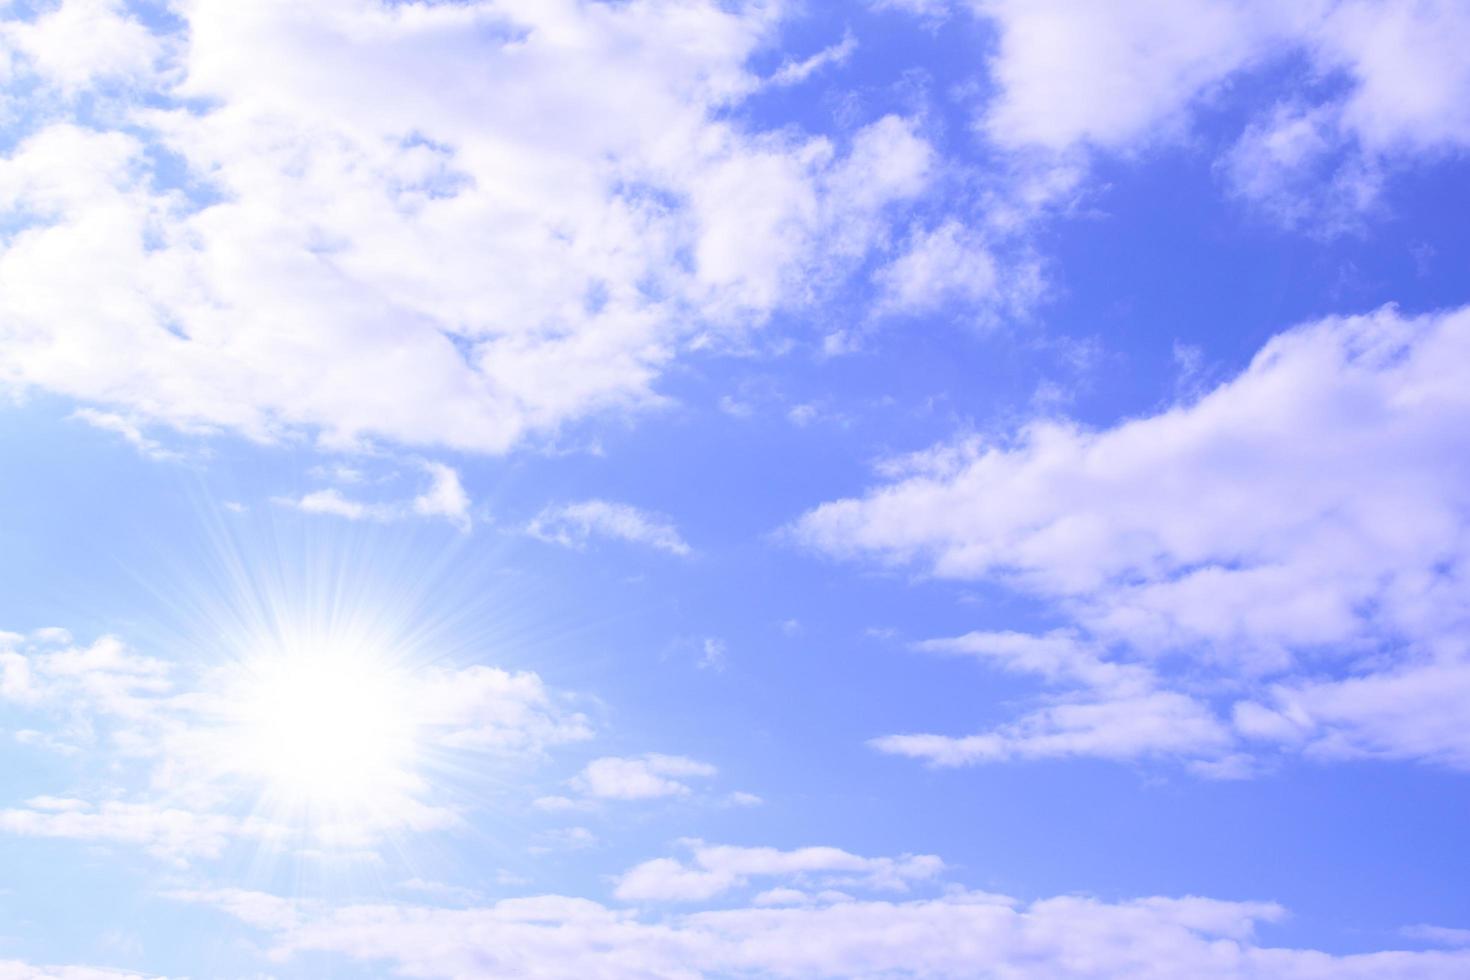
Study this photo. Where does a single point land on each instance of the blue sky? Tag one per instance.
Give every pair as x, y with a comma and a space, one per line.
915, 488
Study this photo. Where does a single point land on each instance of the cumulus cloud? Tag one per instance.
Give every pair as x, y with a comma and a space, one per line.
80, 43
1074, 76
961, 934
573, 525
380, 238
1299, 530
937, 267
640, 777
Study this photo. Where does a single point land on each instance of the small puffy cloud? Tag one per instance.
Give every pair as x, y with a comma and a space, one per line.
742, 798
938, 267
445, 498
332, 501
714, 653
79, 43
640, 777
574, 525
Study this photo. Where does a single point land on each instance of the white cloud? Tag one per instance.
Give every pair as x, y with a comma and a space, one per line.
380, 238
742, 798
714, 869
1440, 935
716, 653
330, 500
962, 934
639, 778
573, 525
1072, 72
1278, 165
796, 72
564, 839
1128, 76
80, 43
951, 264
128, 429
1299, 530
445, 497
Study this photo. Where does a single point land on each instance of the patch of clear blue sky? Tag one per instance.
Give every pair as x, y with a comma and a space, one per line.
93, 536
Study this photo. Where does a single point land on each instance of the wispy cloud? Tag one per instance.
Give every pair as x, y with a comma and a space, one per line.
573, 525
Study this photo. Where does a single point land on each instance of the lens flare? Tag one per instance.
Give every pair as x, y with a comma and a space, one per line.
323, 727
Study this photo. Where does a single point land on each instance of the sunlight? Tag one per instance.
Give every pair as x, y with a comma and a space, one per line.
325, 726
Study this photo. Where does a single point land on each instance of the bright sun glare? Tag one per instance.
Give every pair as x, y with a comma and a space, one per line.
324, 727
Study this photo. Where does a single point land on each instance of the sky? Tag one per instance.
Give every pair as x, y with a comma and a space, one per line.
723, 488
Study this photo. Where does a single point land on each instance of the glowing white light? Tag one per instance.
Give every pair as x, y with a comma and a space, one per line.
324, 727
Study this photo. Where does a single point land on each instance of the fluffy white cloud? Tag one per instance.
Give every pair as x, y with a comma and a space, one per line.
962, 934
80, 43
1300, 530
1126, 76
444, 497
378, 236
938, 267
1072, 72
573, 525
639, 778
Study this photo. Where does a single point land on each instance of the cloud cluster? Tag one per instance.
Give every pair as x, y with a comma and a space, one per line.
1298, 533
958, 935
1369, 87
715, 869
382, 237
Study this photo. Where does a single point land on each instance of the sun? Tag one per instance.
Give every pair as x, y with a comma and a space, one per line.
323, 726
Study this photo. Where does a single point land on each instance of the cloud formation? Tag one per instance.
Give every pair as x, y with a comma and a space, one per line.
573, 525
960, 934
380, 239
1300, 529
1371, 88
